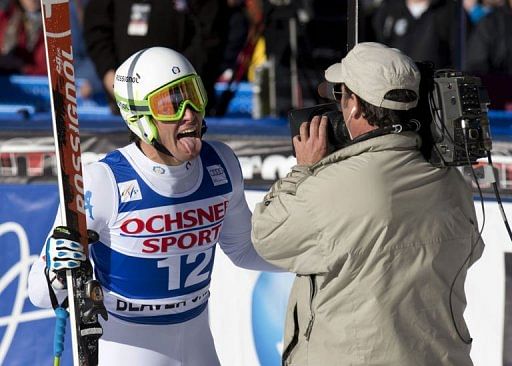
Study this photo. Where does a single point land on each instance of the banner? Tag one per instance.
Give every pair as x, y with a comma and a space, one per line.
26, 332
30, 157
247, 308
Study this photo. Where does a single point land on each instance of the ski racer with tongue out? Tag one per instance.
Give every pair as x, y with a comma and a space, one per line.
160, 205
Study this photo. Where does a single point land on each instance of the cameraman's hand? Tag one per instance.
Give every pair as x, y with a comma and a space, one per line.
311, 145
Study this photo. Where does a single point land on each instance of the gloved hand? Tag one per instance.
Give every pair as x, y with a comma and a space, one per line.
63, 251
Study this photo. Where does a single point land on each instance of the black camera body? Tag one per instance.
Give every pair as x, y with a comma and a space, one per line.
451, 118
337, 134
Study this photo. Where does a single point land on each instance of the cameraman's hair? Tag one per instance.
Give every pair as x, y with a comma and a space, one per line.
382, 117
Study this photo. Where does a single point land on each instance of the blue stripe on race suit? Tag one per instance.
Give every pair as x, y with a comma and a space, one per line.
165, 319
152, 278
123, 172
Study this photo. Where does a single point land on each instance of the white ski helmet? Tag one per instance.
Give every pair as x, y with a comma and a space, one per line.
159, 83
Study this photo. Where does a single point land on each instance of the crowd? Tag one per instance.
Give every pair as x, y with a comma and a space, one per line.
223, 38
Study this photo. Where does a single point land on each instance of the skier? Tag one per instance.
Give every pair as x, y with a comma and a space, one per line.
159, 206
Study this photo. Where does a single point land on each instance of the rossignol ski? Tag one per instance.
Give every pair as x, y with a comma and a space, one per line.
85, 296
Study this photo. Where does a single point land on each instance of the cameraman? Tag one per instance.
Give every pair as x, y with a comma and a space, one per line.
380, 239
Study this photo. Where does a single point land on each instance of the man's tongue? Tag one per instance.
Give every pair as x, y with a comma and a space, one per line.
188, 143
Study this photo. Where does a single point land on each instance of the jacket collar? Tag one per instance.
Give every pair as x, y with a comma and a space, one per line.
402, 141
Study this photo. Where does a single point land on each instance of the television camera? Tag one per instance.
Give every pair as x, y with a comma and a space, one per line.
451, 117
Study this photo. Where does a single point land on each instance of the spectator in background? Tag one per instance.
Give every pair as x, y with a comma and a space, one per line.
489, 53
115, 29
490, 44
259, 53
21, 38
367, 12
88, 82
278, 16
244, 34
477, 9
316, 30
239, 22
426, 30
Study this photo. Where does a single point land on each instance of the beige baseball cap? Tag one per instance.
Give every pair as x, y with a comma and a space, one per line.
371, 70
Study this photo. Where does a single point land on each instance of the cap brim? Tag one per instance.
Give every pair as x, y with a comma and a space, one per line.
333, 74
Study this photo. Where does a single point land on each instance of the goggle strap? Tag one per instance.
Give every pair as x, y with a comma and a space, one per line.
139, 109
136, 107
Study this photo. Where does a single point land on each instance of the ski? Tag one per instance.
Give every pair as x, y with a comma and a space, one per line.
85, 296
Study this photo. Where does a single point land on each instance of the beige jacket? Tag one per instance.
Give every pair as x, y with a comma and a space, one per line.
376, 236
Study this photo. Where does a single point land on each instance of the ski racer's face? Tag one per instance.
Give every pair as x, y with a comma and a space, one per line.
182, 138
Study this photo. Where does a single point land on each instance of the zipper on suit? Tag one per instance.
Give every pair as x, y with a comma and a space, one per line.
312, 292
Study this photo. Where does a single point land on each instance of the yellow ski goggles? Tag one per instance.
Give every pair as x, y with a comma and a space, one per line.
168, 103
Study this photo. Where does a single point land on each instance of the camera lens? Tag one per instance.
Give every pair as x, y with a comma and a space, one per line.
473, 134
